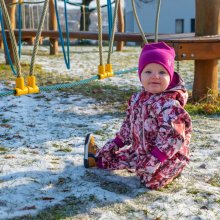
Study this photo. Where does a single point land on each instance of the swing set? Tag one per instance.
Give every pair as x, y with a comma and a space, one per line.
203, 47
104, 71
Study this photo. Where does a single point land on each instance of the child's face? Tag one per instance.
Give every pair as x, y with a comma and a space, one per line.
155, 78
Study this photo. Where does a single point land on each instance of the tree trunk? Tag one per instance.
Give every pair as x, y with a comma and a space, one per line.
206, 71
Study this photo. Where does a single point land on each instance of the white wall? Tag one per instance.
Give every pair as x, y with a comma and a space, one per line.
170, 11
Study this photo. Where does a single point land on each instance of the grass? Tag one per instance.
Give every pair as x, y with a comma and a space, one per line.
206, 106
203, 108
173, 187
107, 93
120, 96
215, 180
193, 191
3, 150
110, 94
62, 148
5, 120
106, 184
70, 207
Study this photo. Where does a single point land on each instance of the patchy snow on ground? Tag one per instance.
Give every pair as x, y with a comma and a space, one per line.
41, 158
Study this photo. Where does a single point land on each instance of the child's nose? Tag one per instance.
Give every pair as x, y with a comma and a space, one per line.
155, 74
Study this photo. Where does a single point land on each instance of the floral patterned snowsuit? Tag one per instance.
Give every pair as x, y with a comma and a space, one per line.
157, 132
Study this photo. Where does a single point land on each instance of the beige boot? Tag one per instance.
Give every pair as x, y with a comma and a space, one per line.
90, 149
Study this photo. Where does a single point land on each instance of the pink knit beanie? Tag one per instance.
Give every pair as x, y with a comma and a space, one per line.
159, 53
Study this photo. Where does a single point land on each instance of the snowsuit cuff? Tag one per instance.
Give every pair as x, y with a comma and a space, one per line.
118, 142
158, 154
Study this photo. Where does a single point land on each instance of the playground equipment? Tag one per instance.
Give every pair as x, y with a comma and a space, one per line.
103, 70
21, 89
27, 9
202, 47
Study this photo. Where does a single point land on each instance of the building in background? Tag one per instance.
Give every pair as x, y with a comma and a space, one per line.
176, 16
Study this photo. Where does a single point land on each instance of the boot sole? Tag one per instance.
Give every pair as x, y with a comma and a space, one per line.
86, 149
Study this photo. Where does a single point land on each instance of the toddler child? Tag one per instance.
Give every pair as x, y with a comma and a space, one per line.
155, 135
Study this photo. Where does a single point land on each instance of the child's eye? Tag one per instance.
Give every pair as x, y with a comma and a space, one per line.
162, 72
147, 72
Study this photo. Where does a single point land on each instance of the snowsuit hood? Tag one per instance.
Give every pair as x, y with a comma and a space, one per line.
177, 90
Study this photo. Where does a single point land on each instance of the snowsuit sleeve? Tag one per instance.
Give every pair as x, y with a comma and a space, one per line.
174, 126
